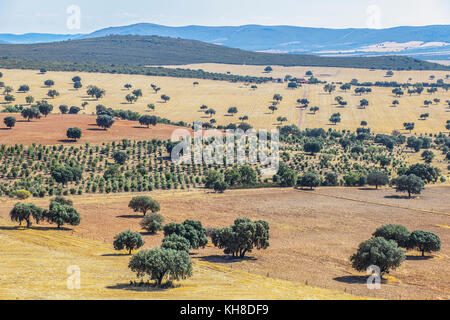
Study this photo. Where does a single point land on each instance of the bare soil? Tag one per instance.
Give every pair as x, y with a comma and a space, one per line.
52, 130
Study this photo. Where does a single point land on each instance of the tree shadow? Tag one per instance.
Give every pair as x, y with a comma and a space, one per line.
130, 216
352, 279
398, 197
39, 228
225, 259
140, 288
5, 129
418, 258
115, 255
96, 129
367, 189
67, 141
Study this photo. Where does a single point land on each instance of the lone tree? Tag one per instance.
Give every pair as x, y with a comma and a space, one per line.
10, 122
105, 121
161, 263
49, 83
409, 183
242, 237
379, 252
144, 204
424, 241
61, 214
165, 98
152, 223
191, 230
128, 240
74, 133
395, 232
26, 211
329, 88
52, 93
335, 118
148, 121
232, 111
377, 179
268, 69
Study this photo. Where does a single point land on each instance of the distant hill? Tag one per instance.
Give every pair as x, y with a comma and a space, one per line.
153, 50
425, 42
35, 37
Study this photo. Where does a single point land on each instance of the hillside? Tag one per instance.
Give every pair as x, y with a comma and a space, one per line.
424, 42
153, 50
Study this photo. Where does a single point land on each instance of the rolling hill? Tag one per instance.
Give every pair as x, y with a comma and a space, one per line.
155, 50
425, 42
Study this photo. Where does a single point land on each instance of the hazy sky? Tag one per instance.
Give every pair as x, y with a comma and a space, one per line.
51, 16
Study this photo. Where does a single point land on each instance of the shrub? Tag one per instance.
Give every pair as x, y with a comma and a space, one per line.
152, 223
22, 194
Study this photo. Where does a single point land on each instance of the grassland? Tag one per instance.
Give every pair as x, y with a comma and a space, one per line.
34, 266
186, 98
313, 235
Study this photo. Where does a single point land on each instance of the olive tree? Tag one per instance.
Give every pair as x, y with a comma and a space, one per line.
242, 237
377, 179
144, 204
424, 241
411, 184
10, 122
398, 233
26, 211
128, 240
152, 223
73, 133
191, 230
161, 263
61, 214
378, 252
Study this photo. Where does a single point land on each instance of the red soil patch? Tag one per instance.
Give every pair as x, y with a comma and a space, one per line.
52, 130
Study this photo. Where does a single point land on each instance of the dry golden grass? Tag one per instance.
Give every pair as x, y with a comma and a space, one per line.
186, 99
34, 266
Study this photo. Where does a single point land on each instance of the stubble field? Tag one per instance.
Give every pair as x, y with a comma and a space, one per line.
186, 98
313, 235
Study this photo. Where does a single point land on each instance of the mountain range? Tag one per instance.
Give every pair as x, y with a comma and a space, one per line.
423, 42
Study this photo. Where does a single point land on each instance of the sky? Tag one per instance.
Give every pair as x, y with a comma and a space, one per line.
85, 16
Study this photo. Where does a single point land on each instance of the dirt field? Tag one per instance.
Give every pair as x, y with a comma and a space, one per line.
313, 233
186, 99
52, 130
